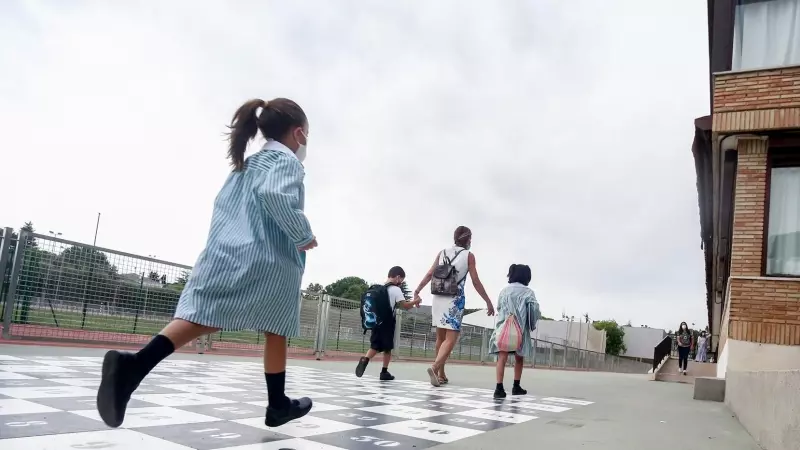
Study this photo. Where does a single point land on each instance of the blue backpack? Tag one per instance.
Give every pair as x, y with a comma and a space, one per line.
375, 309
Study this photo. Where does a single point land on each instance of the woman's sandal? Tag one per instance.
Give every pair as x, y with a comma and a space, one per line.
434, 377
442, 380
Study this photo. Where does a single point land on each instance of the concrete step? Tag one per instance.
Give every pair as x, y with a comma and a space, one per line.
709, 388
670, 372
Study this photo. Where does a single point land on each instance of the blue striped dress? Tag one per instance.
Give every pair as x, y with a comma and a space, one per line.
248, 276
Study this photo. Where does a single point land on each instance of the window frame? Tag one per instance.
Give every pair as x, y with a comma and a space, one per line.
784, 151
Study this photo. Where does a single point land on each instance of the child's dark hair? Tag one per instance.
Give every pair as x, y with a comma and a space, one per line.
519, 273
397, 271
462, 236
277, 117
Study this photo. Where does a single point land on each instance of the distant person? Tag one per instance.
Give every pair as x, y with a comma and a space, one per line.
447, 276
378, 314
248, 276
514, 300
701, 348
684, 338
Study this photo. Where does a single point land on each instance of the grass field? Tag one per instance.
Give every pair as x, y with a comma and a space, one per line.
130, 324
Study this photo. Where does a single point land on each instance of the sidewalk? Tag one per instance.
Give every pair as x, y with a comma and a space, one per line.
629, 411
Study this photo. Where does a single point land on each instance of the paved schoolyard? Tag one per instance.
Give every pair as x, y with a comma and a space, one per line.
209, 402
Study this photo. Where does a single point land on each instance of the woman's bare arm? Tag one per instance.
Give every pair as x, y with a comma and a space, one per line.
427, 278
476, 283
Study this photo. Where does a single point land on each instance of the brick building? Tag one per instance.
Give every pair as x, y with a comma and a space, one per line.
747, 156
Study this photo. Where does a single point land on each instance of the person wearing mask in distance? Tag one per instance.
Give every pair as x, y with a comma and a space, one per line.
448, 276
382, 334
248, 276
684, 338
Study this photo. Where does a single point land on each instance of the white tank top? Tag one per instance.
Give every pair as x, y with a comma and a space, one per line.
461, 263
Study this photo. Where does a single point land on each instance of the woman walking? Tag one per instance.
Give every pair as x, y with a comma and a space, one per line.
684, 338
248, 276
701, 348
449, 274
513, 302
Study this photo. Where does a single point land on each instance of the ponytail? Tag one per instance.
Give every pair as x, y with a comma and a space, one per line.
277, 118
244, 127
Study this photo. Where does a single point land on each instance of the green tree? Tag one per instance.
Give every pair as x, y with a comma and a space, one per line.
315, 288
545, 318
35, 263
615, 344
351, 288
183, 278
348, 287
406, 290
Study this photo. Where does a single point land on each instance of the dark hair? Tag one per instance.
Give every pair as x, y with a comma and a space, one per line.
682, 324
397, 271
462, 236
519, 273
277, 117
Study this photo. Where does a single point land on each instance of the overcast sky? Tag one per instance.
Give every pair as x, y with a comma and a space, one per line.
559, 131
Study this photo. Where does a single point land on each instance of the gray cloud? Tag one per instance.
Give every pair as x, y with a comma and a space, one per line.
559, 132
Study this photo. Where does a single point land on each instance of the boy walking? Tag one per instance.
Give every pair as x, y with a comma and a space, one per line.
378, 312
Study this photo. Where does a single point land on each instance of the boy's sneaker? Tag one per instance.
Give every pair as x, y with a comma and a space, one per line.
362, 366
499, 392
296, 409
517, 390
386, 376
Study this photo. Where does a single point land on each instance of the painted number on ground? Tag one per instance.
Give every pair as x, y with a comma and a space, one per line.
375, 441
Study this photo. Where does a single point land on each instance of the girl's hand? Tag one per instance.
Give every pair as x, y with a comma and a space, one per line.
309, 246
489, 309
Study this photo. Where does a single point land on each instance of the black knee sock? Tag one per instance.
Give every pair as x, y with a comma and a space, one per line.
152, 354
276, 390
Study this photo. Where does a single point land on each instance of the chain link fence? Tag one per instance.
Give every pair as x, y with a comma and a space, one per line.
59, 290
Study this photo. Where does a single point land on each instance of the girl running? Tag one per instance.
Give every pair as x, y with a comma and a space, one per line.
248, 276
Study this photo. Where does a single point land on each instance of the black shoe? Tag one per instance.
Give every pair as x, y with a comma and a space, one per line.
362, 366
499, 393
386, 376
517, 390
296, 409
116, 387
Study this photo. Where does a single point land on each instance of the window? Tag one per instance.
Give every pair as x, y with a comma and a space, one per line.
766, 34
783, 229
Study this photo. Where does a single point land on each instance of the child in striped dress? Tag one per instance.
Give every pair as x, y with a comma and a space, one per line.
248, 276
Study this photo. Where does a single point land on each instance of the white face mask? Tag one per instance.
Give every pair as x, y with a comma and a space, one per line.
301, 150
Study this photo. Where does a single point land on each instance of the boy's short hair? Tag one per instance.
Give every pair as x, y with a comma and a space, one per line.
397, 271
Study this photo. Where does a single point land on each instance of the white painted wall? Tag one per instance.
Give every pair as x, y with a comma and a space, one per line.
744, 356
722, 360
640, 342
574, 334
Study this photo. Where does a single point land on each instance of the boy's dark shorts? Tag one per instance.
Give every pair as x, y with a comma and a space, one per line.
382, 338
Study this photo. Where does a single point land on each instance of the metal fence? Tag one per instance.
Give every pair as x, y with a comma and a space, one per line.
55, 289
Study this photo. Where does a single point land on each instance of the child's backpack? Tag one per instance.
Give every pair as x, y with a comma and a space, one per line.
510, 337
445, 276
375, 309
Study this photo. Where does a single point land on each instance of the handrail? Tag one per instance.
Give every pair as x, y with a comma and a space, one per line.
662, 350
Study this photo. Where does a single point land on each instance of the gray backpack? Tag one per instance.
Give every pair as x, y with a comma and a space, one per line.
445, 276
